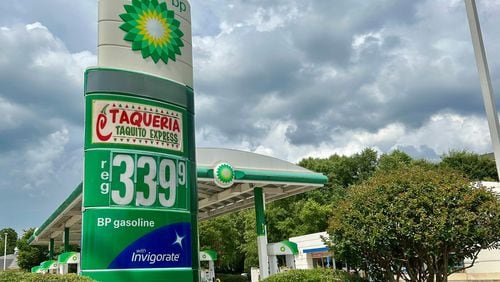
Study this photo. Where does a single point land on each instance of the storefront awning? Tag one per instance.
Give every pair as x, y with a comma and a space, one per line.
315, 250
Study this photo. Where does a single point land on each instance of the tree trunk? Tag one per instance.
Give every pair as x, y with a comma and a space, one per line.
411, 272
444, 274
430, 267
389, 275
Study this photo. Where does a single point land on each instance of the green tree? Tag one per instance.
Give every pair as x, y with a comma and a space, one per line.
473, 166
249, 247
344, 170
11, 240
71, 248
223, 234
30, 256
394, 160
418, 218
309, 212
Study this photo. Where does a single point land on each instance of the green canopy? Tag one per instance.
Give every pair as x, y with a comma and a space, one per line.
283, 248
208, 255
69, 257
36, 269
49, 264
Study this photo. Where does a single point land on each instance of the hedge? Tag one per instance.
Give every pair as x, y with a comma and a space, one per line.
313, 275
36, 277
231, 277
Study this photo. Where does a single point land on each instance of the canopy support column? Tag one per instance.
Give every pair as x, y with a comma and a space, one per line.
51, 248
260, 216
66, 239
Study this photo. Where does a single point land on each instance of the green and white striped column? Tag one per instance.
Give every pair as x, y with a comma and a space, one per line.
260, 216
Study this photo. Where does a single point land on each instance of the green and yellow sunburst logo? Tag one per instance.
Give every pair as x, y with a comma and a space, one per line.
224, 175
152, 29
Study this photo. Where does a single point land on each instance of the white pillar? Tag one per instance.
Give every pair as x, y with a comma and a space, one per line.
5, 253
290, 261
273, 265
484, 77
211, 270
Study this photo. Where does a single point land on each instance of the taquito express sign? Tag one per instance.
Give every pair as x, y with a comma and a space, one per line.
121, 122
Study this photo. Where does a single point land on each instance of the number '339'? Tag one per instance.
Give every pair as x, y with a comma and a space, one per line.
160, 180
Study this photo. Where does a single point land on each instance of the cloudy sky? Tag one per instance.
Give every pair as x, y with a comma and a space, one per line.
285, 78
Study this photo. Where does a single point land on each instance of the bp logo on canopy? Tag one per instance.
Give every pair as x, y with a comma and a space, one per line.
224, 175
152, 29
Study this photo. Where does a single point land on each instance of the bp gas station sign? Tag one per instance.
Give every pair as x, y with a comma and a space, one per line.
139, 188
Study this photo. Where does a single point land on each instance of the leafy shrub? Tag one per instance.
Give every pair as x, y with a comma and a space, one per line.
312, 275
231, 278
36, 277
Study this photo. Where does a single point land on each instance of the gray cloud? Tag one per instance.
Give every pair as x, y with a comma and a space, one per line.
41, 100
420, 152
337, 65
75, 22
41, 84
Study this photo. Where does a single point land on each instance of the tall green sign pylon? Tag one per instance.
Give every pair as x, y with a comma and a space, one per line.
139, 190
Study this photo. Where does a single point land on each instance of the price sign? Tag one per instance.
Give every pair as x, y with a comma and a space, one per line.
137, 180
161, 178
137, 187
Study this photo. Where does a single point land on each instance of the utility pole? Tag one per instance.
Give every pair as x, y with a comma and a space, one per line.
484, 77
5, 253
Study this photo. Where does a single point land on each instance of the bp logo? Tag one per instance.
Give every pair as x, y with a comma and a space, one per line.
224, 175
282, 249
152, 29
